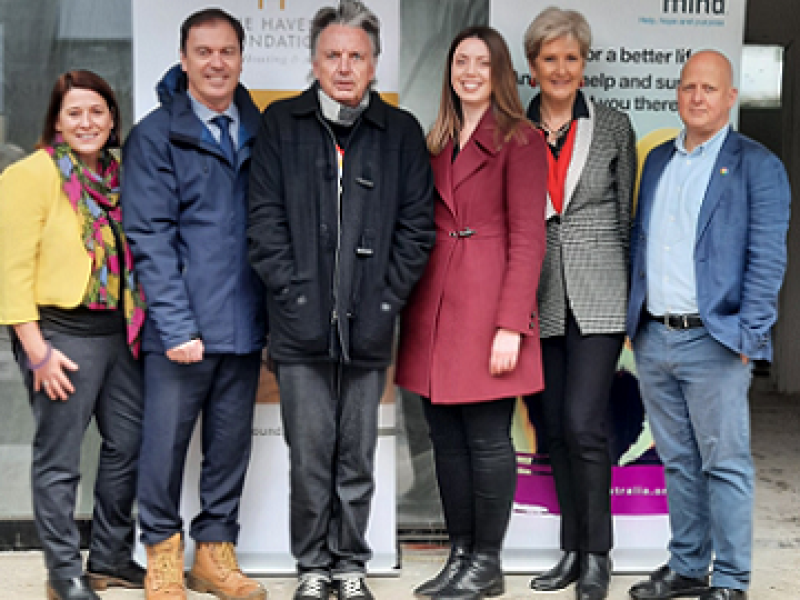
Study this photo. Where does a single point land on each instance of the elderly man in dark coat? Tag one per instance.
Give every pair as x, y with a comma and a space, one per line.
341, 224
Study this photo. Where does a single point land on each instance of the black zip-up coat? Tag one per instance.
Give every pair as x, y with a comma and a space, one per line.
338, 270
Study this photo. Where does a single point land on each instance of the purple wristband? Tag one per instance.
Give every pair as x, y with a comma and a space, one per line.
43, 362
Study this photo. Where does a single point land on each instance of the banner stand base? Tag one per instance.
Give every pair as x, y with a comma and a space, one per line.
532, 543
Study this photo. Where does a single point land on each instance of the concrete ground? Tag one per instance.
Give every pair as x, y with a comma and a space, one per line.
776, 573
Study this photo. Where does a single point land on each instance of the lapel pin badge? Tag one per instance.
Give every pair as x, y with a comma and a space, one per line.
723, 171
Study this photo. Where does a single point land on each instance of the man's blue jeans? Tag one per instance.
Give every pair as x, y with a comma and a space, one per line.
695, 393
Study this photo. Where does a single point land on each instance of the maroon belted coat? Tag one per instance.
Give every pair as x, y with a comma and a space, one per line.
482, 274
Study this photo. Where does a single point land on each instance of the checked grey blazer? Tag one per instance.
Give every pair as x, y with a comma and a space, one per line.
587, 258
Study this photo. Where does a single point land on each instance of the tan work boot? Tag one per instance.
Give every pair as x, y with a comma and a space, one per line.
164, 579
216, 571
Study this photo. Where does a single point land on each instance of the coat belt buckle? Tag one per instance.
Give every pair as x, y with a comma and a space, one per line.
465, 233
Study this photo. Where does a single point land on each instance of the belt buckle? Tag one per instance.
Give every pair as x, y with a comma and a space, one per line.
681, 322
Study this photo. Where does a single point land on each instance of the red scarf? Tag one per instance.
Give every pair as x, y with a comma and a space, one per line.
557, 170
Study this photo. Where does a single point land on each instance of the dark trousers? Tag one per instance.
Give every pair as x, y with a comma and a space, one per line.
578, 372
223, 388
476, 467
108, 387
330, 421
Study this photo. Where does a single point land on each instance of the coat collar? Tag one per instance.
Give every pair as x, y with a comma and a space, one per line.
482, 146
187, 127
307, 104
580, 153
728, 163
449, 174
655, 164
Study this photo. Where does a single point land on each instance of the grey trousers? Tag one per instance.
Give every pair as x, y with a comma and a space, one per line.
330, 421
108, 387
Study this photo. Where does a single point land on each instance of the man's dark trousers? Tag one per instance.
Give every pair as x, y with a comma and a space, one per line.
222, 387
330, 420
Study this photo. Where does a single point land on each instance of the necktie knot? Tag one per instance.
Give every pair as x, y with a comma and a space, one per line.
225, 139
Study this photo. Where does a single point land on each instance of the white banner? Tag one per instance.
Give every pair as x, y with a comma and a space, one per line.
276, 55
638, 49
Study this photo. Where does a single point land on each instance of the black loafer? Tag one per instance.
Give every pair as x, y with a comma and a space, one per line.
77, 588
724, 594
129, 575
665, 583
566, 571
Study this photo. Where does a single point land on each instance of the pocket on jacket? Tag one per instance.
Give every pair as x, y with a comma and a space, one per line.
372, 333
294, 314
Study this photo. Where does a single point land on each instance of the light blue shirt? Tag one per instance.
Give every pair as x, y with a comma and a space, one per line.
205, 114
671, 285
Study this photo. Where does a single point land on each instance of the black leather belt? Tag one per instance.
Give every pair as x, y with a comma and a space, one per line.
677, 321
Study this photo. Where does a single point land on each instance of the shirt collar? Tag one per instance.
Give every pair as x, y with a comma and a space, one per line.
205, 114
579, 108
713, 144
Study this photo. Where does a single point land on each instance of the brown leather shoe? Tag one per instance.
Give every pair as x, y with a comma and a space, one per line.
164, 579
216, 571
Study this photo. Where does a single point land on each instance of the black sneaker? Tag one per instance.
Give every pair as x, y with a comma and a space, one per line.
313, 588
353, 588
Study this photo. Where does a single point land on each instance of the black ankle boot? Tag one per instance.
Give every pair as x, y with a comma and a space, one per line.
595, 577
566, 571
481, 578
458, 559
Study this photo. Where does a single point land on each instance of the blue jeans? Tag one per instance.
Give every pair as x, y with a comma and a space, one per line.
695, 393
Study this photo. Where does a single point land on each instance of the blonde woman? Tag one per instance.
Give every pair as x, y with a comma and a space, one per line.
582, 292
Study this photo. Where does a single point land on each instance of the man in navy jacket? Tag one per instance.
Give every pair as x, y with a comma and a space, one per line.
185, 197
708, 259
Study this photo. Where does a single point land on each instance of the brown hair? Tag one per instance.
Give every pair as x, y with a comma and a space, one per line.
206, 17
84, 80
506, 105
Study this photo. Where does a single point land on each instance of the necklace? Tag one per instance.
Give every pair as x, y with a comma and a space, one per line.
554, 133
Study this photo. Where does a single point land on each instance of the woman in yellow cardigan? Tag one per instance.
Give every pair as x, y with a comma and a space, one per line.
75, 310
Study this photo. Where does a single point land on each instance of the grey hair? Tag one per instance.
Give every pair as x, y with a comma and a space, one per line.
553, 23
350, 13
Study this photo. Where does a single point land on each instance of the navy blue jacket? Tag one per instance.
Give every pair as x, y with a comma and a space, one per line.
185, 214
740, 245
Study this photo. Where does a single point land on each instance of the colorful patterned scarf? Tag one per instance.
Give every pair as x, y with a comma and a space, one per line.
95, 198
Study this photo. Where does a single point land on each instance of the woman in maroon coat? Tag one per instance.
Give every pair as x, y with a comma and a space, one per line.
470, 333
